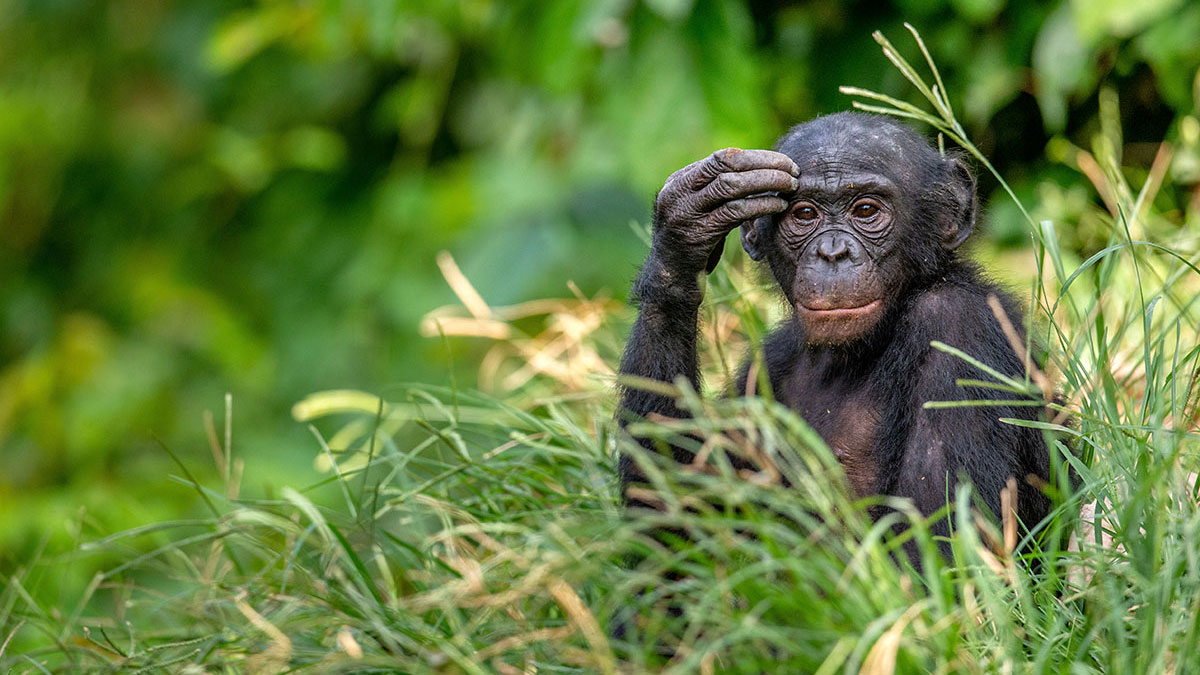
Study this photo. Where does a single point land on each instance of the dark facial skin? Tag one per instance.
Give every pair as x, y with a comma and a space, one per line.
830, 249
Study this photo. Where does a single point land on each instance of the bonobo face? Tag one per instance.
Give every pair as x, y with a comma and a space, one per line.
877, 209
834, 242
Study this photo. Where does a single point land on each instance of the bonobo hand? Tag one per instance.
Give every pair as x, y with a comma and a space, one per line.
703, 201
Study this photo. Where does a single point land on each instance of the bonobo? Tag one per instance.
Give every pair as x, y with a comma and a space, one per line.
859, 219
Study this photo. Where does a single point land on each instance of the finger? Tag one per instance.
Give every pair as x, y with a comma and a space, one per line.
741, 184
735, 159
740, 210
681, 182
681, 175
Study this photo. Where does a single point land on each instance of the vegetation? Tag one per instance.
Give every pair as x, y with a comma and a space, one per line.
457, 531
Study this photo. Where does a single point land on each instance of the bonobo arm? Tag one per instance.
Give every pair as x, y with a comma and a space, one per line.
697, 207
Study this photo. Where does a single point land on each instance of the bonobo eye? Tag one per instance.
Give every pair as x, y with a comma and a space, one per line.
867, 213
805, 213
865, 210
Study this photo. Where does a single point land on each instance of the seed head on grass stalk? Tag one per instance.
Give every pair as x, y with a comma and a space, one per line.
944, 120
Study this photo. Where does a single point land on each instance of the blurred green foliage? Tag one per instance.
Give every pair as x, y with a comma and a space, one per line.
209, 196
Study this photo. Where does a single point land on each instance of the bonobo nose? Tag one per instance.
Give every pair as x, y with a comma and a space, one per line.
834, 247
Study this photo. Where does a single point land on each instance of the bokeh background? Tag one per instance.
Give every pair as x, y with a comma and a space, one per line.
209, 196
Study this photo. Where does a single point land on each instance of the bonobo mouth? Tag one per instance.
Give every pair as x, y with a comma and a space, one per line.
838, 325
840, 312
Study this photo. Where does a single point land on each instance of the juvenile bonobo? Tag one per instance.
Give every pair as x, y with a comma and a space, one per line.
859, 219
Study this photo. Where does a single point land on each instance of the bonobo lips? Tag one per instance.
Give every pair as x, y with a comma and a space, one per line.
836, 312
829, 323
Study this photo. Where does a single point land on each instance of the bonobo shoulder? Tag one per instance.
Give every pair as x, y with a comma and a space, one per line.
944, 302
955, 308
962, 284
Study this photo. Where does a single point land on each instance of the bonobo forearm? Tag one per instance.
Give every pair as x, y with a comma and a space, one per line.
697, 207
662, 345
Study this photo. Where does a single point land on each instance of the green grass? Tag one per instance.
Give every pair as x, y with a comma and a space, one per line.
463, 533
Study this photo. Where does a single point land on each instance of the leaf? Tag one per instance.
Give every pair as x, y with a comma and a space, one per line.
1061, 64
671, 9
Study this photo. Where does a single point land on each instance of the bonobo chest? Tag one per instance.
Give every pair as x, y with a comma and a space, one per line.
845, 414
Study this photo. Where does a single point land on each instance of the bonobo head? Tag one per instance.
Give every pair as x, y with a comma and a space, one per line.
878, 210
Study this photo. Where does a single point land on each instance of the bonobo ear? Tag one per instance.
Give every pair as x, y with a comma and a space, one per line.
750, 242
958, 216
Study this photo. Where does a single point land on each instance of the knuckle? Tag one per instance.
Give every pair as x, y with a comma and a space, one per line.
735, 211
724, 158
724, 185
683, 178
675, 180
